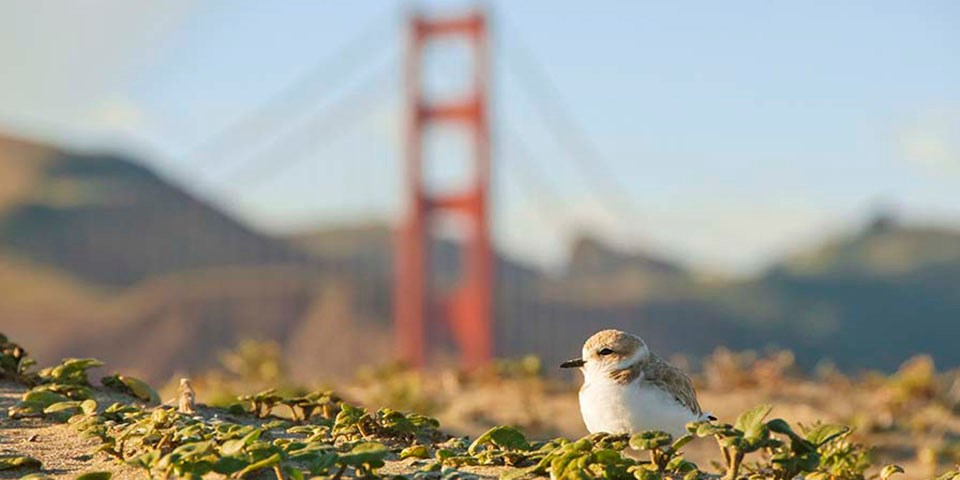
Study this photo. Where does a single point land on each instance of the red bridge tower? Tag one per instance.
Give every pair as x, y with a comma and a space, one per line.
467, 308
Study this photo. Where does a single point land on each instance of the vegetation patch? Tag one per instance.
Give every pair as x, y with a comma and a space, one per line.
321, 435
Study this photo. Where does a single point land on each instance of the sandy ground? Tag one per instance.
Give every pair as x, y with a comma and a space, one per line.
543, 409
62, 452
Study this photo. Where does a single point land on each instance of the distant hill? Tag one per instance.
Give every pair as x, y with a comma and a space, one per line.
100, 256
600, 275
590, 256
871, 299
886, 285
109, 220
882, 249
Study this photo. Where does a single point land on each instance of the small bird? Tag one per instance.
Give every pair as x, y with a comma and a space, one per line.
629, 389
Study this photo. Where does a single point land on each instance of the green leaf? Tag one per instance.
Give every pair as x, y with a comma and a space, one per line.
307, 451
751, 421
43, 398
809, 462
692, 475
444, 453
73, 391
36, 476
232, 447
822, 434
71, 371
951, 475
12, 462
146, 461
89, 406
95, 476
682, 441
502, 436
275, 424
369, 453
415, 451
347, 418
395, 422
423, 422
798, 444
192, 451
889, 471
132, 386
229, 465
259, 450
779, 425
706, 429
322, 463
582, 445
62, 406
265, 463
680, 465
607, 456
235, 446
647, 474
650, 440
293, 473
62, 411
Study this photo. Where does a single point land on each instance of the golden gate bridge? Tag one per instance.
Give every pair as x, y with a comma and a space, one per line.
464, 306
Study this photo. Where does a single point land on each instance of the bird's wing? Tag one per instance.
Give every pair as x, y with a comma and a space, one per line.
671, 379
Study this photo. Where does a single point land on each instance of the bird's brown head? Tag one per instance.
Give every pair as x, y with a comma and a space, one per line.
609, 350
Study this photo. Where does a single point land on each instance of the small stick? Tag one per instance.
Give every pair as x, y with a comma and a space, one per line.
187, 397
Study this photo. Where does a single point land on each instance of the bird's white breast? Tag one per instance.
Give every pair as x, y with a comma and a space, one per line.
610, 407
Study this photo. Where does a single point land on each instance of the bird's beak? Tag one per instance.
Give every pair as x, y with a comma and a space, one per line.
575, 363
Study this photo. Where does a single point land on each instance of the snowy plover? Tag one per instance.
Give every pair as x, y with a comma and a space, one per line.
628, 389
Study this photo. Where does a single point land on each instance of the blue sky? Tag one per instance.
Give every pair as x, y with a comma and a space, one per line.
738, 130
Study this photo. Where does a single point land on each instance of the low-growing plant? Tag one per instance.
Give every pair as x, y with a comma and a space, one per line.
747, 435
19, 462
325, 403
262, 403
329, 438
14, 362
951, 475
72, 371
131, 386
839, 457
664, 451
95, 476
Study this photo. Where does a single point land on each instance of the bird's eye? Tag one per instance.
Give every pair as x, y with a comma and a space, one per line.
605, 351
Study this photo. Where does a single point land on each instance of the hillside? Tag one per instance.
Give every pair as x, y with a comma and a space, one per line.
882, 249
111, 221
877, 295
886, 284
98, 254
